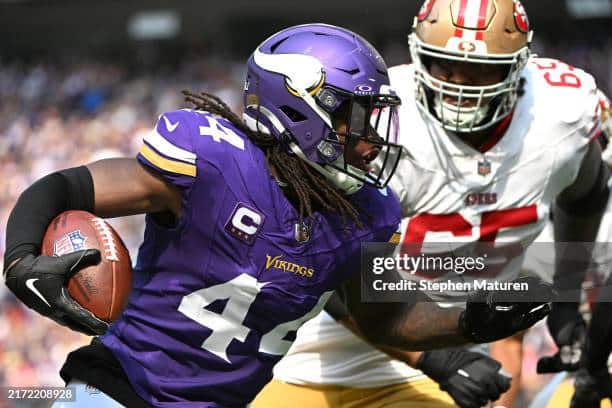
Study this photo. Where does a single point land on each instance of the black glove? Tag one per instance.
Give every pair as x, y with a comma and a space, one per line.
40, 282
494, 315
568, 330
590, 388
472, 379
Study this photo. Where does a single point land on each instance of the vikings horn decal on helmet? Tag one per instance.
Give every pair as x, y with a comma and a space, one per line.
470, 31
304, 80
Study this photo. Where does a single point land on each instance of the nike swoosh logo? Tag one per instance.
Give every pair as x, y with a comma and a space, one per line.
169, 125
30, 285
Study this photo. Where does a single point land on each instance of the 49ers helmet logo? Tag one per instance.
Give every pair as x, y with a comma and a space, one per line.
425, 9
520, 17
467, 46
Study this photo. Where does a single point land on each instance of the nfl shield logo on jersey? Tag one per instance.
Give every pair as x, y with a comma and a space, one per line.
302, 232
70, 242
484, 168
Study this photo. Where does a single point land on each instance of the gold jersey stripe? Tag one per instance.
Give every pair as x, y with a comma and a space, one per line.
167, 164
395, 238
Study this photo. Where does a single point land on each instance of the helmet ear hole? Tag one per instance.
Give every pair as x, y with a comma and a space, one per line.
292, 114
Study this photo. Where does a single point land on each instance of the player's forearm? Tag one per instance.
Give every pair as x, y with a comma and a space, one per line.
422, 325
408, 357
577, 215
426, 326
39, 204
418, 324
572, 260
417, 327
110, 188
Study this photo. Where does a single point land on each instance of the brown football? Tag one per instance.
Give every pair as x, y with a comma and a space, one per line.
102, 289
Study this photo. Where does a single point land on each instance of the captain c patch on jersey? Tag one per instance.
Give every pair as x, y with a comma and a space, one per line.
244, 223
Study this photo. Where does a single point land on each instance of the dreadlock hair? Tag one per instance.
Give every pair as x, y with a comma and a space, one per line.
310, 188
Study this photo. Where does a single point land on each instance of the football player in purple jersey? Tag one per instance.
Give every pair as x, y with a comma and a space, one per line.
251, 224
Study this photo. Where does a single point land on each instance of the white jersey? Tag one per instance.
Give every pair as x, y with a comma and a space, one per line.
450, 192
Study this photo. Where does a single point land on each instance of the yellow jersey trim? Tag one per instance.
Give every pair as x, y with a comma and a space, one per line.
167, 164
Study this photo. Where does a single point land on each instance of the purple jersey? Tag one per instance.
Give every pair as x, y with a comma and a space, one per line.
216, 300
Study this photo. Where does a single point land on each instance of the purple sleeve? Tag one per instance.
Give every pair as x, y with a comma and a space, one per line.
168, 149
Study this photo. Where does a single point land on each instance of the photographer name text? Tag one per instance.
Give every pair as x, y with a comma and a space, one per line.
425, 285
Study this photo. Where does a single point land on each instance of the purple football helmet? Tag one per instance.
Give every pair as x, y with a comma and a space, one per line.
304, 80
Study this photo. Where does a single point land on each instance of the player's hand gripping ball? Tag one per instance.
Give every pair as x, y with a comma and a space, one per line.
102, 289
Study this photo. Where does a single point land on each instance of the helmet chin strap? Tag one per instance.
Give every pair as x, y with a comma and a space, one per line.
342, 181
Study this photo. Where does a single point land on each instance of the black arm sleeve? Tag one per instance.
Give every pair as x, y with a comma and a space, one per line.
595, 200
70, 189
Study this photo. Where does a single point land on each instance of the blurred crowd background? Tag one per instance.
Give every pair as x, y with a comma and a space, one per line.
63, 109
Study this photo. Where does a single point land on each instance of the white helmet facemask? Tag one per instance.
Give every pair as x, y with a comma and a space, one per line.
477, 107
457, 117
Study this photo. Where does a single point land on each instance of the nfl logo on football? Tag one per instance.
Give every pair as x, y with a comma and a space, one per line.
71, 242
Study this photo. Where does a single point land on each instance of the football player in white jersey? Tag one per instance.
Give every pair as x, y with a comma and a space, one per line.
493, 137
593, 378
